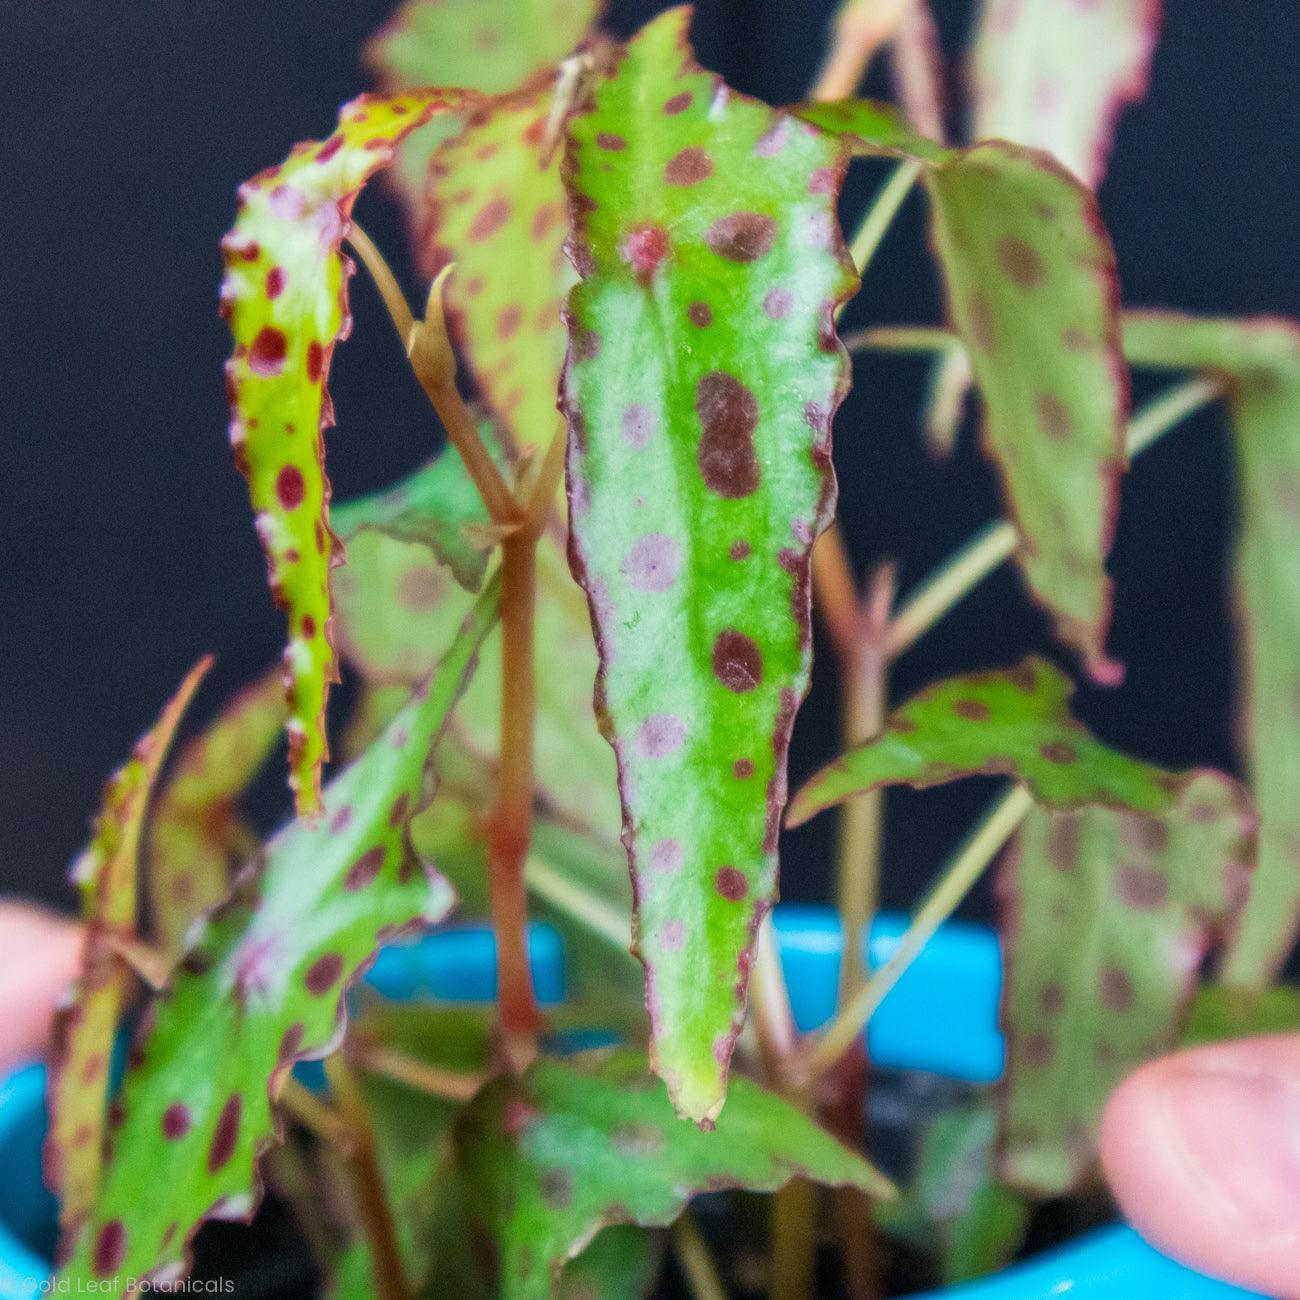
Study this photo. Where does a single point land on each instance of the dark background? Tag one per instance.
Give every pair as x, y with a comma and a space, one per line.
125, 532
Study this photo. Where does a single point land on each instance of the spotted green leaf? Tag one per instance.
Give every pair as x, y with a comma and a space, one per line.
1055, 74
1108, 916
492, 46
439, 506
497, 209
1032, 291
571, 1147
262, 987
285, 298
1013, 723
1262, 360
703, 374
107, 873
196, 836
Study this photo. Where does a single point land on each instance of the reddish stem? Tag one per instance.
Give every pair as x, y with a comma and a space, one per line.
512, 819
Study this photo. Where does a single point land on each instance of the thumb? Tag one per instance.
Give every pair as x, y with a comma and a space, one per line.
39, 955
1202, 1150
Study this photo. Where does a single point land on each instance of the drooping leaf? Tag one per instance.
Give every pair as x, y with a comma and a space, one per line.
397, 609
494, 46
497, 209
1107, 919
1032, 291
285, 298
1261, 360
702, 378
262, 987
980, 1223
573, 1147
1013, 723
196, 836
1055, 74
1123, 876
437, 505
107, 873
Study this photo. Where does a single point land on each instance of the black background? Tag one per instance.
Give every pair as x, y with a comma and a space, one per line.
125, 532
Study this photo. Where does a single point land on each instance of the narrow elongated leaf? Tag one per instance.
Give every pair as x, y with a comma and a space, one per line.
702, 378
1219, 1013
107, 874
497, 208
1032, 291
196, 836
263, 987
437, 505
492, 46
1055, 74
1262, 360
285, 298
550, 1159
1108, 917
1015, 723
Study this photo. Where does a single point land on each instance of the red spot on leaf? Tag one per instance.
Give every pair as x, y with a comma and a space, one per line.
275, 282
700, 314
290, 487
176, 1121
742, 236
678, 104
731, 884
489, 219
689, 167
266, 356
226, 1133
324, 973
110, 1248
364, 870
737, 661
315, 361
644, 249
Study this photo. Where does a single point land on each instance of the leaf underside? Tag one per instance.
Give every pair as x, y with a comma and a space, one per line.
196, 837
262, 988
285, 298
1107, 917
1055, 74
1261, 359
107, 873
574, 1146
1123, 876
702, 377
1032, 290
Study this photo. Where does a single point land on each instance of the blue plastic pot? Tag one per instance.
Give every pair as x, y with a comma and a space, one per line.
941, 1017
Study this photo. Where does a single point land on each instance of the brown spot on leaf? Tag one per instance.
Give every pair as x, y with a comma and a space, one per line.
689, 167
1019, 262
742, 236
730, 882
226, 1133
737, 661
728, 414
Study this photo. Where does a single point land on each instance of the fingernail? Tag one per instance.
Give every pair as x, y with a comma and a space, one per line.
1237, 1132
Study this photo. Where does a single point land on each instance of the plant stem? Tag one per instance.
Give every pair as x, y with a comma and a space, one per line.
835, 591
385, 281
696, 1260
314, 1115
421, 1076
773, 1019
901, 338
967, 866
368, 1184
863, 678
794, 1238
510, 831
880, 215
962, 572
860, 28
